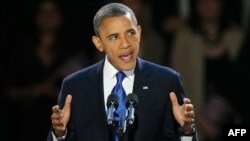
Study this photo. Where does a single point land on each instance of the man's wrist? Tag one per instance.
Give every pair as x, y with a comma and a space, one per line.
59, 134
190, 132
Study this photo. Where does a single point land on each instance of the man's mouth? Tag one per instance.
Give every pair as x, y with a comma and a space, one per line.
126, 57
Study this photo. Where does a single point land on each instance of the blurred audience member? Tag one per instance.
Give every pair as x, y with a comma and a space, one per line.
151, 39
37, 67
168, 17
203, 53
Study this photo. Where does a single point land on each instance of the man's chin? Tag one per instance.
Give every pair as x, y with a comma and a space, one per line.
127, 66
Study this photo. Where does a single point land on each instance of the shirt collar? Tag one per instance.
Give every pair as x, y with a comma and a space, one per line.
109, 71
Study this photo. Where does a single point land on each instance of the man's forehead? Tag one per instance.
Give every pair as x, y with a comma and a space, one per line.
127, 15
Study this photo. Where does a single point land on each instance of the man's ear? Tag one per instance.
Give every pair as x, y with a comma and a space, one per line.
98, 43
139, 32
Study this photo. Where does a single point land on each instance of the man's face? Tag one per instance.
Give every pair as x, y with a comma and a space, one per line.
119, 39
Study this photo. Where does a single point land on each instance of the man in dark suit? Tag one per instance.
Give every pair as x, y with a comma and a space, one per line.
162, 110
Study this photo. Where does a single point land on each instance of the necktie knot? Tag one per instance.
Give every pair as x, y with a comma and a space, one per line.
120, 76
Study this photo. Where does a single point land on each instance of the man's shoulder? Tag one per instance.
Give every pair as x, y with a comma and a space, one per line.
157, 69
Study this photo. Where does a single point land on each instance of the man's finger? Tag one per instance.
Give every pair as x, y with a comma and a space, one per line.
56, 109
186, 100
57, 123
188, 107
189, 120
57, 116
173, 99
189, 114
67, 102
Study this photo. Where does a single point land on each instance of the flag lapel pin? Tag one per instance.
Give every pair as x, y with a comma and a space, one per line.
145, 87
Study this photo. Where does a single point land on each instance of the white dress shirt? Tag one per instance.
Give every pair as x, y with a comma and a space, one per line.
109, 81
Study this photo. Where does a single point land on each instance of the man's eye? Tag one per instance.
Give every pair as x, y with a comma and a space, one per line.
131, 33
113, 37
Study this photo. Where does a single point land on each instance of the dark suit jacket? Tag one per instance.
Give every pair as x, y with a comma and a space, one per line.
154, 119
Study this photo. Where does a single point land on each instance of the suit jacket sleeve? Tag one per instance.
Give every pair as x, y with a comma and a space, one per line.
173, 129
65, 90
170, 126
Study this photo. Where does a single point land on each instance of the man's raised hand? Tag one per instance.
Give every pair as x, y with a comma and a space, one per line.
60, 117
184, 114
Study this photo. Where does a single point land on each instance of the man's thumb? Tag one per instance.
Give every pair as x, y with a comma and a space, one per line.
173, 99
67, 102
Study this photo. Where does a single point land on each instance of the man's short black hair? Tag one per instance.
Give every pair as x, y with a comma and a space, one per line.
111, 10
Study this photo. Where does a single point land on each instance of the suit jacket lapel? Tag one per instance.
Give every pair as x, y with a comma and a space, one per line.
96, 96
141, 81
141, 78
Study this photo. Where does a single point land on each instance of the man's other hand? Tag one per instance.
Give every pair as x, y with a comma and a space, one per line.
184, 114
60, 118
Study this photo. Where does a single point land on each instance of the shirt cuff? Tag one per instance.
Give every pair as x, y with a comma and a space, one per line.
186, 138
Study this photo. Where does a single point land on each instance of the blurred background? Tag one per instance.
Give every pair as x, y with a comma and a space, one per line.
43, 41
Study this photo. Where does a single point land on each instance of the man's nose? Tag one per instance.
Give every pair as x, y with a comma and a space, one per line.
125, 42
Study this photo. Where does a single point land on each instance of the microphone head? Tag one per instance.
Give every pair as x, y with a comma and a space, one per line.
131, 98
113, 99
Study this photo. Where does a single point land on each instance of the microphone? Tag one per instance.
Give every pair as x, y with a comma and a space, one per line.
112, 104
131, 104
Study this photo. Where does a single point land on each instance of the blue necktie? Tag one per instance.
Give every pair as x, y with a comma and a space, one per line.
119, 91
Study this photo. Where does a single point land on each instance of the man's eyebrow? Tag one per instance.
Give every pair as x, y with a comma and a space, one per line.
116, 34
131, 29
113, 34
